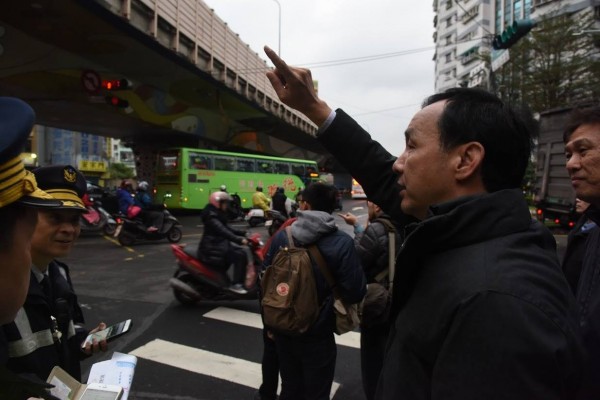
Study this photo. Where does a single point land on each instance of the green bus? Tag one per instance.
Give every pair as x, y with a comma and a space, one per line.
186, 177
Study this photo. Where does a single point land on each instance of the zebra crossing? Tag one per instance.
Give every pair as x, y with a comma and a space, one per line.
222, 366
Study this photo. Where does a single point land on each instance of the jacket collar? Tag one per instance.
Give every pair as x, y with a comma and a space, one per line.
474, 219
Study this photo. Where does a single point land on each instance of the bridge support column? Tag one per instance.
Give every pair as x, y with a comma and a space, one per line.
145, 160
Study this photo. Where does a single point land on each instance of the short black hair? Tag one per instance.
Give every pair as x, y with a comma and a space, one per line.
320, 196
506, 133
9, 215
581, 116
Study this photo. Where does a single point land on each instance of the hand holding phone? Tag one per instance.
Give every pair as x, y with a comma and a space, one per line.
101, 336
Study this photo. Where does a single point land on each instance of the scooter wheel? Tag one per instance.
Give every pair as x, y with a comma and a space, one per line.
181, 296
174, 235
253, 222
110, 229
126, 239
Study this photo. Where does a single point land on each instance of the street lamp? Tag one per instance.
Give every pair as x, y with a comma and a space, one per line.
279, 45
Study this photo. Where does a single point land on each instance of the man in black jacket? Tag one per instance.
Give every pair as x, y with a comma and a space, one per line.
307, 361
582, 148
373, 248
480, 308
221, 244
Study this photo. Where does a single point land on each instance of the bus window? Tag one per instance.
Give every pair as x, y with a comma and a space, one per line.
224, 164
264, 166
168, 162
298, 169
245, 165
199, 161
281, 168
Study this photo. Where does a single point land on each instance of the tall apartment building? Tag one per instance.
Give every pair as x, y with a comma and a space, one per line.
464, 30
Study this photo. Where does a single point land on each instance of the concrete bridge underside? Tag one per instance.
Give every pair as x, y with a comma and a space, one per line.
53, 52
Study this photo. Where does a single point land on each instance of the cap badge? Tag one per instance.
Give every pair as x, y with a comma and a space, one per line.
70, 175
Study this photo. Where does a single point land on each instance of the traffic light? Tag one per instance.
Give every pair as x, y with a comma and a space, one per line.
512, 34
117, 102
116, 84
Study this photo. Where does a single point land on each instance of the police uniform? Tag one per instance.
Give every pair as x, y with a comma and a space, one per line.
47, 331
18, 185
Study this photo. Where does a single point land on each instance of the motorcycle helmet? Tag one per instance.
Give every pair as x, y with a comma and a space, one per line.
217, 198
143, 185
223, 188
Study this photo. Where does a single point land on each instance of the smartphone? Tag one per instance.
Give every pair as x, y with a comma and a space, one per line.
100, 391
109, 333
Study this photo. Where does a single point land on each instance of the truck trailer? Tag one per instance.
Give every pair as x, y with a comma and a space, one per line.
554, 196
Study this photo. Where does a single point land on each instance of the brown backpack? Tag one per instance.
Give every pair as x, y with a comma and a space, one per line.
289, 292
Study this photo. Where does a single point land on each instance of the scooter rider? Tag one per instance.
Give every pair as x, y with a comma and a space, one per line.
260, 200
152, 218
221, 244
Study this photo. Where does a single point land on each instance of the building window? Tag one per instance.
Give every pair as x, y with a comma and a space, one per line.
448, 4
448, 40
517, 7
508, 12
448, 22
448, 57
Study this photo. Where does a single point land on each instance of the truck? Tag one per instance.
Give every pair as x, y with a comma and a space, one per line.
554, 197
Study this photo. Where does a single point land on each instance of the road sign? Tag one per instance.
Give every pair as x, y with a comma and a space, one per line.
91, 82
499, 58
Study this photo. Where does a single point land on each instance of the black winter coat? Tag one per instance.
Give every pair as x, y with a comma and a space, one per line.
372, 247
28, 341
480, 308
215, 244
588, 298
576, 247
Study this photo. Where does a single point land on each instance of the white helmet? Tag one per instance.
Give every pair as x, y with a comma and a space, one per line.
143, 185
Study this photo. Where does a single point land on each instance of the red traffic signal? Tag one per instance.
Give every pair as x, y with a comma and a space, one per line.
116, 84
117, 102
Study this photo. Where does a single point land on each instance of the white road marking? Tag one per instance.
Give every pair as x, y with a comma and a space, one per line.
253, 320
204, 362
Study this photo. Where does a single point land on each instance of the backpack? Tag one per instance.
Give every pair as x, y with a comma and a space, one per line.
289, 293
375, 306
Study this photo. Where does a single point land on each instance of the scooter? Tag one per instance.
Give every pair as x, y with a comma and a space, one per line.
274, 221
255, 217
194, 280
131, 230
97, 219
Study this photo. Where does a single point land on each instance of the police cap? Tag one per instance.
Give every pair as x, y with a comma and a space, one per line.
16, 183
64, 183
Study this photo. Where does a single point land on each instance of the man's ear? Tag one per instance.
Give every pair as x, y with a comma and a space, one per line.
470, 158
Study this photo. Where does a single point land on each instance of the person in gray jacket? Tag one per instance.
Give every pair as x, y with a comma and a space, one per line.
307, 361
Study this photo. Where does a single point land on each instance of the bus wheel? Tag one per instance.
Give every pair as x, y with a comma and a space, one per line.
174, 235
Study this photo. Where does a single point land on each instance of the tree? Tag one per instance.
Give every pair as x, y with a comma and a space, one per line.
120, 171
553, 66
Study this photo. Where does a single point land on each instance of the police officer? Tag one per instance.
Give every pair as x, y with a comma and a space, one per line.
47, 330
20, 198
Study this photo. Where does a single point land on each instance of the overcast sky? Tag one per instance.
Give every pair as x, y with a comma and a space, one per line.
382, 95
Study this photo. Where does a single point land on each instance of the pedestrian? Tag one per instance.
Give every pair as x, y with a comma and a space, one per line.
281, 203
20, 198
270, 360
480, 307
260, 200
582, 148
576, 244
373, 248
307, 361
48, 329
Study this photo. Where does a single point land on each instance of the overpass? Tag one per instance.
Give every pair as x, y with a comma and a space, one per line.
191, 80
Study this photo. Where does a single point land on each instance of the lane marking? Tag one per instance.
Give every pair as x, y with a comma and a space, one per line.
112, 240
204, 362
253, 320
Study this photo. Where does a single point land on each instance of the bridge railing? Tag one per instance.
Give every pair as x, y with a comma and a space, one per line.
193, 30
